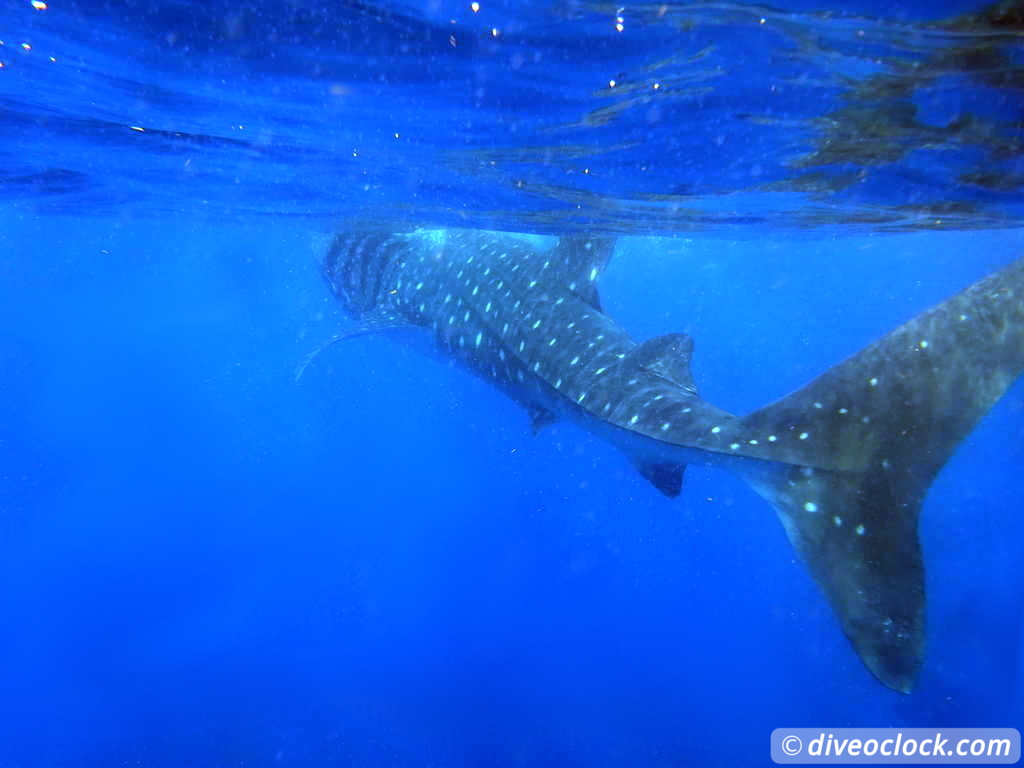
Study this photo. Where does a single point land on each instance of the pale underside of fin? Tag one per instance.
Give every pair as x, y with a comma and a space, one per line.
376, 322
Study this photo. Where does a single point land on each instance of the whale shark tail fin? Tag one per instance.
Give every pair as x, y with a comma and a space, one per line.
850, 457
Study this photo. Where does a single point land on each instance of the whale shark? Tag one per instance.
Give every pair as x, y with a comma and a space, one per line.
845, 461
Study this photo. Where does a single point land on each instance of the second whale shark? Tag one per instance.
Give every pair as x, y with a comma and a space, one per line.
845, 461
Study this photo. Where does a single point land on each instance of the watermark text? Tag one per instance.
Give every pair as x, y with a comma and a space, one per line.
951, 746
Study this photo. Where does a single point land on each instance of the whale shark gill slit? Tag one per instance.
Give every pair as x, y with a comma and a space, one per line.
845, 461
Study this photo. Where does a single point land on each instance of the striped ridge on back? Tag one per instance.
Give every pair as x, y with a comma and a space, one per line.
359, 269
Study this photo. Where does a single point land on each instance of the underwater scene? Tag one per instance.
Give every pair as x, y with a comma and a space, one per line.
538, 383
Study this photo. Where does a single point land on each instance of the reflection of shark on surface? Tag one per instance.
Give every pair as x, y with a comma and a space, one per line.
846, 461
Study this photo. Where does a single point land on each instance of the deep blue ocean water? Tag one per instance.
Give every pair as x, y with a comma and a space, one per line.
205, 563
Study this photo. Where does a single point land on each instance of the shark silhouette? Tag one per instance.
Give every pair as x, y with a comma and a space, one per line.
846, 461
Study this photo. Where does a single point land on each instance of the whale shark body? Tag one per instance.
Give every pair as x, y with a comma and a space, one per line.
845, 461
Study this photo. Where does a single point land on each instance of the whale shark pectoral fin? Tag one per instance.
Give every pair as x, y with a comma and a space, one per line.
666, 476
375, 322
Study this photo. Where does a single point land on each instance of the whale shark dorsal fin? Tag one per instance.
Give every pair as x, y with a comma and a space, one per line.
667, 356
584, 259
375, 322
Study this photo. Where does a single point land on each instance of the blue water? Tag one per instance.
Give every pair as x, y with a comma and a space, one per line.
204, 563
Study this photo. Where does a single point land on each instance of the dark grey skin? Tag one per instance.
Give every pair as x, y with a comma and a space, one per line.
846, 461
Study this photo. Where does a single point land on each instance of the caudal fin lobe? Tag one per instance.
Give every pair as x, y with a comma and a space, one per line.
854, 452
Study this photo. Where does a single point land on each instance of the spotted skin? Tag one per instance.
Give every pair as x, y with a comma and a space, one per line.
846, 461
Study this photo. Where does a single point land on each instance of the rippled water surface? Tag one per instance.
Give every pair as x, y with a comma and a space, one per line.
546, 116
